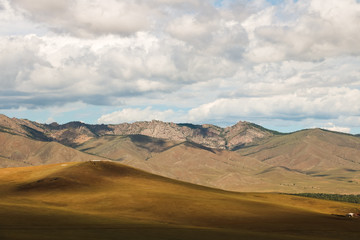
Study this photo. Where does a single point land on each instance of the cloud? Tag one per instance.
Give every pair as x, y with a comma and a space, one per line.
84, 18
17, 59
292, 61
88, 18
61, 70
320, 104
313, 103
304, 30
138, 114
100, 71
332, 127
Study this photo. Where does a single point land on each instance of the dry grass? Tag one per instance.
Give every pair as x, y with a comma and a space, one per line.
104, 200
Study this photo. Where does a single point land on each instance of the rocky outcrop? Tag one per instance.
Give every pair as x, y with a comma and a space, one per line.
75, 133
244, 133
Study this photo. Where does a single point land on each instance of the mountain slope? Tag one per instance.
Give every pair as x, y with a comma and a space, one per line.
184, 161
309, 151
208, 167
222, 169
112, 201
126, 147
18, 151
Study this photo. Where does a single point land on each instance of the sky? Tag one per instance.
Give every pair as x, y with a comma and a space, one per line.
283, 64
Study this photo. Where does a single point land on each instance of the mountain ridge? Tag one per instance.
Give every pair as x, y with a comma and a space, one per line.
76, 133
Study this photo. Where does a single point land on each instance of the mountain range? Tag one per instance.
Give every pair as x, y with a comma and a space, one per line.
76, 133
243, 157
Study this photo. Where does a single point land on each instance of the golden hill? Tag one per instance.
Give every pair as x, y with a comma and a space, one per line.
106, 200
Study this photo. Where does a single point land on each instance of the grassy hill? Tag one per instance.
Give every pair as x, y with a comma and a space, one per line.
105, 200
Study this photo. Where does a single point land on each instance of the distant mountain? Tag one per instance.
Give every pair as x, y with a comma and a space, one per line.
184, 161
244, 157
305, 161
308, 151
76, 133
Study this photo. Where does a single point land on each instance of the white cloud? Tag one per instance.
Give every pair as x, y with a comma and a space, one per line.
138, 114
313, 103
306, 30
187, 28
332, 127
88, 18
246, 59
100, 71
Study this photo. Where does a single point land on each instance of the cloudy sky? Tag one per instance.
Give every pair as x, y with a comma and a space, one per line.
286, 65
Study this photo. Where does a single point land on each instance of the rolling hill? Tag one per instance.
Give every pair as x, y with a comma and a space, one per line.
107, 200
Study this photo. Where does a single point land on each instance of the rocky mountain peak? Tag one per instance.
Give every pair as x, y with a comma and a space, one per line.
75, 133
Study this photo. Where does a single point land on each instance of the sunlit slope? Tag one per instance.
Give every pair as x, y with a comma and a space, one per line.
325, 161
230, 171
244, 170
17, 151
113, 201
309, 150
209, 167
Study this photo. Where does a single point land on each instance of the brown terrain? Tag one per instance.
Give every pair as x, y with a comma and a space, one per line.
19, 151
85, 185
108, 200
244, 157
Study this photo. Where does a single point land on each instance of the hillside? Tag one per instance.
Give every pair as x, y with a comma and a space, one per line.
229, 170
126, 147
310, 151
105, 200
17, 151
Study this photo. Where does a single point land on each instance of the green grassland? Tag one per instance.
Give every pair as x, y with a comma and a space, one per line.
107, 200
